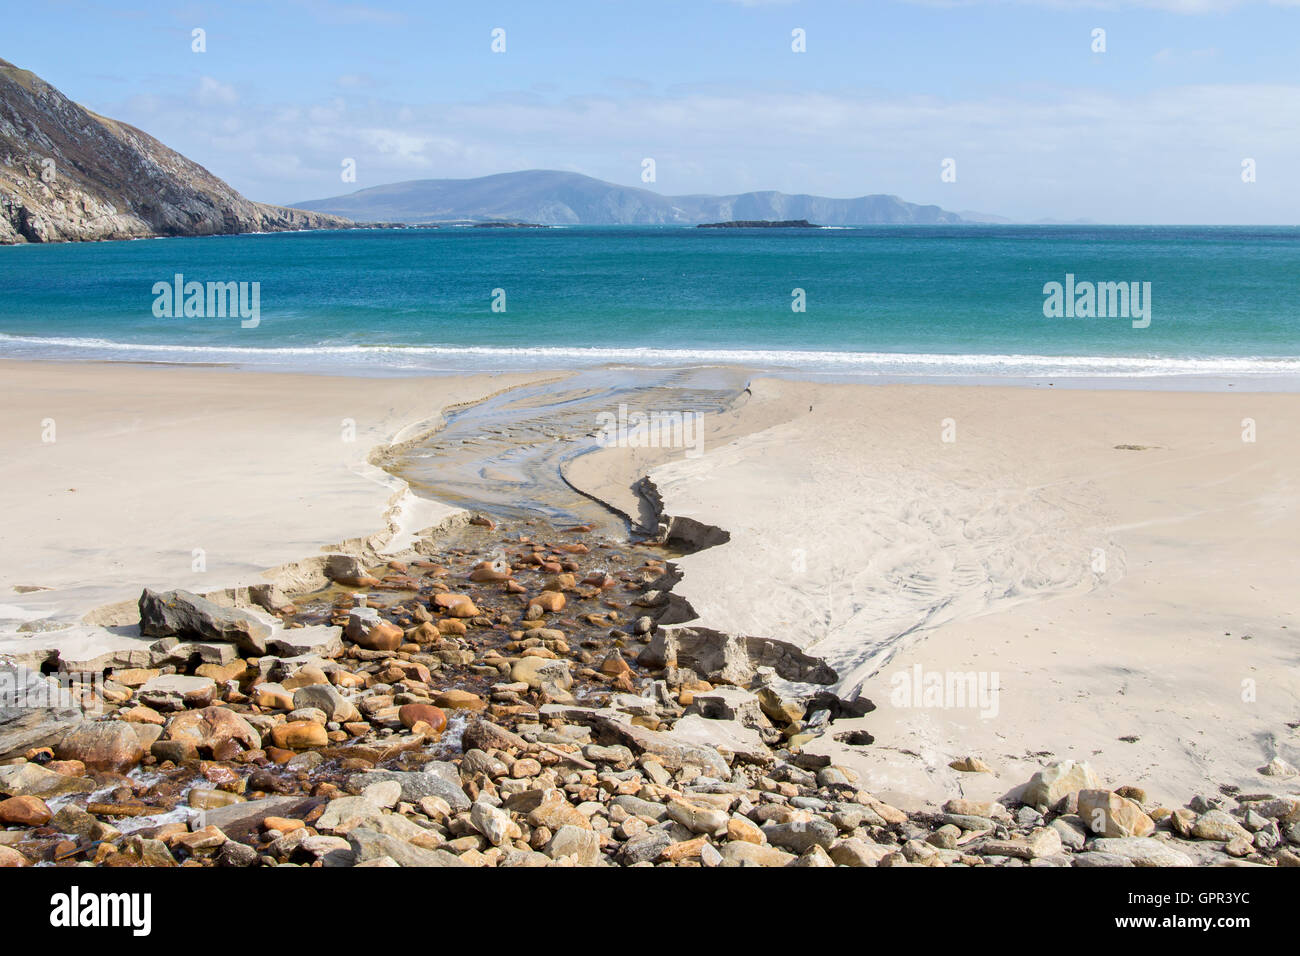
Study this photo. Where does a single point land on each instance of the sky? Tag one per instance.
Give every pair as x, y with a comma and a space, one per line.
1039, 125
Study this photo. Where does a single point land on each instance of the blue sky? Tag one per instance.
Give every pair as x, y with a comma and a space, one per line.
1153, 130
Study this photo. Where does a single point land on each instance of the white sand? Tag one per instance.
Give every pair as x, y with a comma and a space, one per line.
855, 531
152, 462
859, 534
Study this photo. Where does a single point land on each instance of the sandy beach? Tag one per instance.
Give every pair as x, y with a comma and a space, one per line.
149, 463
1123, 562
1011, 577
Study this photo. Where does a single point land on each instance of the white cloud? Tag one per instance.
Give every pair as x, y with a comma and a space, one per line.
1168, 156
212, 92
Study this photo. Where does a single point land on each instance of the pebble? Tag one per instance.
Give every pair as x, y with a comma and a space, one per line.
442, 729
24, 812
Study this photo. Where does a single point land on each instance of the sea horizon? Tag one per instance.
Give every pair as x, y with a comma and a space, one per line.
961, 303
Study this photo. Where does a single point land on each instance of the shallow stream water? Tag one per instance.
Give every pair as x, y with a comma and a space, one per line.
504, 456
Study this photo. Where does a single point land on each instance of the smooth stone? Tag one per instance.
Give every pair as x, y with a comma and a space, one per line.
438, 779
106, 745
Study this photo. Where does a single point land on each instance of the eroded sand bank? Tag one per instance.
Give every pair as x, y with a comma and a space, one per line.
1122, 564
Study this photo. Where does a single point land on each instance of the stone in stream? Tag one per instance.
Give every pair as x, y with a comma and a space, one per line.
185, 615
367, 629
485, 735
552, 601
24, 812
299, 735
73, 820
234, 853
10, 857
536, 671
240, 821
347, 569
107, 745
456, 605
453, 699
33, 780
328, 700
412, 714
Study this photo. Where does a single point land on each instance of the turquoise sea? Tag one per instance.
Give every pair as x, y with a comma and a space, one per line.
890, 301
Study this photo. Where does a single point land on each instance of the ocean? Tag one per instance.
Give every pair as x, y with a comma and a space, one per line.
890, 302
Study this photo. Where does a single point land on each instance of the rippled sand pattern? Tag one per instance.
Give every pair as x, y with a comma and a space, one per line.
916, 540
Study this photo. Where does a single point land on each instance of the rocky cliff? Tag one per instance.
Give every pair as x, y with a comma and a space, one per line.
67, 174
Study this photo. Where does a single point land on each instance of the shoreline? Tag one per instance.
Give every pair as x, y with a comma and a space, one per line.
570, 360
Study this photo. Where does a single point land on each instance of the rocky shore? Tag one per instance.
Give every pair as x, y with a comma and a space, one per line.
510, 697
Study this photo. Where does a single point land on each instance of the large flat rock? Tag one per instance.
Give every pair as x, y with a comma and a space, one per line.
34, 710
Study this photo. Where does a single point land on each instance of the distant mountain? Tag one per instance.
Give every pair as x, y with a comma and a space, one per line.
984, 218
68, 174
552, 197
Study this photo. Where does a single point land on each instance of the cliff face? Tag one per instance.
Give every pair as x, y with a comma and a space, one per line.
67, 174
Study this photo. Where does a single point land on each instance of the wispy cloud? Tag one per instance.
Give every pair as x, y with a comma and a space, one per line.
1100, 155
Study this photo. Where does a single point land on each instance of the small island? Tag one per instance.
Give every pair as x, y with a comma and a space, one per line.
503, 224
760, 224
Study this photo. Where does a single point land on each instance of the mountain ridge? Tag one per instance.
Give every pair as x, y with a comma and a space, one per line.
558, 197
68, 174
